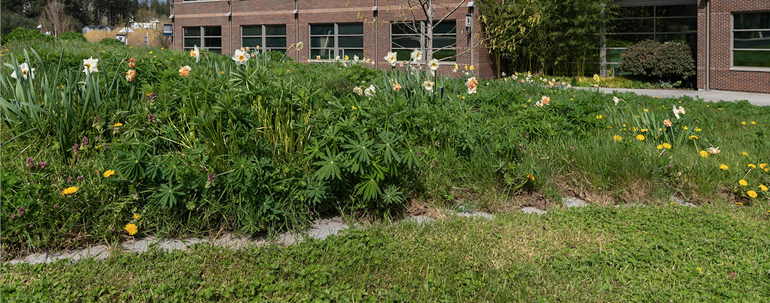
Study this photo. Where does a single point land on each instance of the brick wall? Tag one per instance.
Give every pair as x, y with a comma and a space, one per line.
376, 25
723, 76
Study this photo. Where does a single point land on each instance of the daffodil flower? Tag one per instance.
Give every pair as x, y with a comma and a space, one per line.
25, 70
90, 65
391, 58
416, 56
433, 64
428, 85
240, 57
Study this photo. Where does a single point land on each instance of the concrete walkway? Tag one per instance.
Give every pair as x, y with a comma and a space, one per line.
714, 96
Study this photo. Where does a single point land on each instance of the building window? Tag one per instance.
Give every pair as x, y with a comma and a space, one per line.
332, 40
267, 37
205, 37
751, 39
406, 37
661, 23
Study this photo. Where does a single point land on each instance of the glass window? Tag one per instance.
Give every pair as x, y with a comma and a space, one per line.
751, 39
406, 37
332, 40
266, 37
205, 37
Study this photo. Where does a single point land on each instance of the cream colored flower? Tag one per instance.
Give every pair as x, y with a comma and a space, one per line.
369, 91
358, 91
184, 71
433, 64
397, 87
355, 58
130, 74
616, 100
300, 45
416, 55
25, 70
90, 65
391, 58
545, 100
240, 57
713, 150
428, 85
667, 123
195, 53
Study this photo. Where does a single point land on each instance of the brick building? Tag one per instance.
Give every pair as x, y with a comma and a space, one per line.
330, 29
734, 45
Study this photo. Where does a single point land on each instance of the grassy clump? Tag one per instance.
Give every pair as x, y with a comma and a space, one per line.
269, 144
586, 255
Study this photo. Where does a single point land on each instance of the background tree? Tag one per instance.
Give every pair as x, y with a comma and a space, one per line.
54, 18
506, 25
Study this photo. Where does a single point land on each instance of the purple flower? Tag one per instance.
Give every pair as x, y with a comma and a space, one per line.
151, 96
151, 118
21, 211
13, 216
69, 179
105, 146
211, 178
419, 154
42, 165
31, 163
96, 119
98, 138
571, 148
432, 164
80, 178
422, 172
526, 134
436, 144
84, 142
475, 110
76, 149
56, 205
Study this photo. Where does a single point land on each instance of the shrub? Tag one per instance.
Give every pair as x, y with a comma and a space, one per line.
13, 21
72, 36
22, 34
666, 61
111, 42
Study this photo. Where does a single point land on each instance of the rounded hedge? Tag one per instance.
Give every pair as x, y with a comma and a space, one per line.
21, 34
72, 36
661, 61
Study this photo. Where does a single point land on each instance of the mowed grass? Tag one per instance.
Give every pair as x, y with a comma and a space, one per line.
596, 254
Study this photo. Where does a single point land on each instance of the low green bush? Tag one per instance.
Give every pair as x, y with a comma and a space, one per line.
670, 61
72, 36
111, 42
22, 34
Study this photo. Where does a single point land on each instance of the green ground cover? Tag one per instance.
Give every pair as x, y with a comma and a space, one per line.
597, 254
270, 144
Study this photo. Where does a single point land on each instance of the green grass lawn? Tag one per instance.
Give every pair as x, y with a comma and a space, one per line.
597, 254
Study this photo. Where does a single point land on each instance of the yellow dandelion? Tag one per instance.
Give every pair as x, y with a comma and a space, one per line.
762, 187
666, 145
109, 173
693, 137
739, 203
640, 137
136, 217
131, 229
744, 153
608, 127
753, 122
752, 193
531, 177
117, 124
743, 182
617, 138
599, 116
69, 190
762, 165
660, 146
743, 122
752, 165
723, 167
704, 154
699, 270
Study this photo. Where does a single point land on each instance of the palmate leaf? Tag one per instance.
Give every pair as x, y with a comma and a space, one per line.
330, 167
361, 152
369, 189
166, 195
389, 142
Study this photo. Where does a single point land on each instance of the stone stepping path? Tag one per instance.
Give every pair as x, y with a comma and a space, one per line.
320, 229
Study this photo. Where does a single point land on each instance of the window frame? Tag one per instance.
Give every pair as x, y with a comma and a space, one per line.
202, 37
444, 61
336, 49
733, 30
264, 36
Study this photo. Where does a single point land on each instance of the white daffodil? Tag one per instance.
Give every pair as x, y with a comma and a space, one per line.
90, 65
240, 57
713, 150
391, 58
25, 70
416, 55
433, 64
195, 53
616, 100
369, 91
471, 91
337, 58
358, 91
300, 45
428, 85
681, 110
355, 58
676, 112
